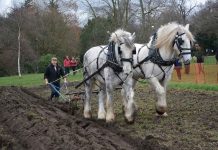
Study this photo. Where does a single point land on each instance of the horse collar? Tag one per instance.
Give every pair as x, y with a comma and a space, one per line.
155, 56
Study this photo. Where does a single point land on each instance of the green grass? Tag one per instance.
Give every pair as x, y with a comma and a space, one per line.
208, 60
31, 80
192, 86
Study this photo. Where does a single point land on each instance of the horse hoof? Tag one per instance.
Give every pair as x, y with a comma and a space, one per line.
87, 115
110, 121
110, 118
102, 116
163, 115
161, 110
130, 121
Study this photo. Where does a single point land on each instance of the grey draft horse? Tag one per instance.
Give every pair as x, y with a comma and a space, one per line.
119, 59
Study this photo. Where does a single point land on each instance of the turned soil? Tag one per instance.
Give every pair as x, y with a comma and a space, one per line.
29, 121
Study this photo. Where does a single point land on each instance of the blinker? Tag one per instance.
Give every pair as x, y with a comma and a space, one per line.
134, 51
180, 41
119, 50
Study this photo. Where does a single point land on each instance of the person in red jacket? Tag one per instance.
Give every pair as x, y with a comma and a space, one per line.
73, 64
67, 65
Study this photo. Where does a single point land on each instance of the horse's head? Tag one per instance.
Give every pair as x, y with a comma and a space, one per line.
183, 43
178, 38
124, 48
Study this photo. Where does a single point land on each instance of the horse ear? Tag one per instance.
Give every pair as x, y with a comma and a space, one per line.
187, 26
114, 38
125, 39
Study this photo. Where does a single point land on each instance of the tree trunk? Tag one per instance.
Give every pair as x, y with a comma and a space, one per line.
143, 19
18, 56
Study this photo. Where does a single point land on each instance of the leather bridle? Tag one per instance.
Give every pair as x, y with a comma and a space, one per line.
179, 41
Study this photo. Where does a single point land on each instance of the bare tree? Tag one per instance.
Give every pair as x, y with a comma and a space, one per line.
185, 10
18, 56
148, 13
18, 20
118, 10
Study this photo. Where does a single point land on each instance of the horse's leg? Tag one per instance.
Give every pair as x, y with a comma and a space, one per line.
109, 104
161, 105
109, 78
101, 110
87, 104
164, 84
129, 105
123, 94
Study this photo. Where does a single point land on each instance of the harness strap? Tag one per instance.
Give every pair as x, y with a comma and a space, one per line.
157, 59
92, 75
164, 74
142, 61
103, 48
119, 78
127, 60
139, 65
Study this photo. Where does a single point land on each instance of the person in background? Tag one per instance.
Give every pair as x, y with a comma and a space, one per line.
178, 67
187, 68
52, 76
199, 63
73, 64
67, 65
216, 56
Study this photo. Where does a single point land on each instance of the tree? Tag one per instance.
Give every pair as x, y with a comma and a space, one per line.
95, 33
204, 24
30, 31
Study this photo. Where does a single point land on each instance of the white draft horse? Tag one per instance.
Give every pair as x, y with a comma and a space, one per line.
118, 57
155, 60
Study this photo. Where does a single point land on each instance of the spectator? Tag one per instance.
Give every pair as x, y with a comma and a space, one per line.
73, 64
67, 65
199, 63
52, 76
216, 56
187, 67
178, 67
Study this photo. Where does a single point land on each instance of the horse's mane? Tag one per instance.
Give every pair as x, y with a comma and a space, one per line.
122, 36
166, 34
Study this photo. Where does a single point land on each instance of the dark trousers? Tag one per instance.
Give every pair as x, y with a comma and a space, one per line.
67, 70
55, 89
74, 69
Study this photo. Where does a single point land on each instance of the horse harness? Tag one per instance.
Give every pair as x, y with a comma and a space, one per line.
155, 57
112, 61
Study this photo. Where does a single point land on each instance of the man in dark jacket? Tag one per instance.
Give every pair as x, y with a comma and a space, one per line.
52, 76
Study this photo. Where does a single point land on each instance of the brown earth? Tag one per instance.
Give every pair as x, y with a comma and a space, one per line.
29, 121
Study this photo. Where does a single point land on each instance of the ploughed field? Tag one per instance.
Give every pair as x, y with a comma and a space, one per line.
29, 121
